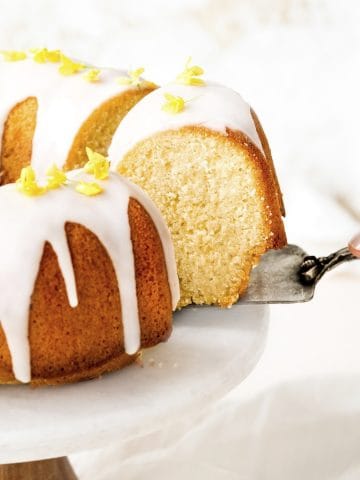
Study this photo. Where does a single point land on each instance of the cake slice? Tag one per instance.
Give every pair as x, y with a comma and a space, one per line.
52, 107
200, 152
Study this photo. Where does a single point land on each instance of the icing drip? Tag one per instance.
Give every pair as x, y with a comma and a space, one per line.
213, 106
22, 243
64, 103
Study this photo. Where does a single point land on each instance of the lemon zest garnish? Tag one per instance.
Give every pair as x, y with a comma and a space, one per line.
189, 76
92, 75
98, 165
43, 55
133, 78
27, 184
56, 178
173, 104
69, 67
88, 188
13, 55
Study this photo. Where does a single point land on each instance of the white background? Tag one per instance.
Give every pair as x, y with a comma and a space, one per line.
297, 62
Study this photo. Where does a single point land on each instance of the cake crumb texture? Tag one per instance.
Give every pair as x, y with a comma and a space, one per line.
221, 200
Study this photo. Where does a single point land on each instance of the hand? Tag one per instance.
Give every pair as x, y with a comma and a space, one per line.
354, 245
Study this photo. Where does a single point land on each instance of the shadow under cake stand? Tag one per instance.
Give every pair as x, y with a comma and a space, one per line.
210, 352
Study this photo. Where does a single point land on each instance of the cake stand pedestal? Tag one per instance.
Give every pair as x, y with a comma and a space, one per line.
139, 408
53, 469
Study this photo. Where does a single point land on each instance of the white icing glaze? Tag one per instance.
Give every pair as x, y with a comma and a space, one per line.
213, 106
64, 103
26, 223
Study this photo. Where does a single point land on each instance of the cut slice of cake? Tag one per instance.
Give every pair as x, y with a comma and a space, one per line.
200, 152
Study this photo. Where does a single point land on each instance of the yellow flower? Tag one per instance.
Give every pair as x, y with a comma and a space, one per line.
69, 67
43, 55
56, 178
27, 184
53, 56
133, 78
92, 75
190, 75
13, 55
88, 188
98, 165
173, 104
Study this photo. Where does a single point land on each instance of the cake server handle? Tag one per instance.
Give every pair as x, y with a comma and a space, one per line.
313, 268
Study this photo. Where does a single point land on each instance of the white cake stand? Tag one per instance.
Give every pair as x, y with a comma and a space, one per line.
210, 352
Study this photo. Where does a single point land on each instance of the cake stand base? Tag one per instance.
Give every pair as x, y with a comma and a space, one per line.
54, 469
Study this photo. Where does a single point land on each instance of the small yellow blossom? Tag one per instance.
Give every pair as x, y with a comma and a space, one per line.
92, 75
133, 78
43, 55
88, 188
98, 165
13, 55
173, 104
53, 56
189, 76
27, 184
69, 67
56, 178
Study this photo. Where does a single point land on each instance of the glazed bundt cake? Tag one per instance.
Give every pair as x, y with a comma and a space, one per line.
96, 278
52, 107
87, 278
200, 153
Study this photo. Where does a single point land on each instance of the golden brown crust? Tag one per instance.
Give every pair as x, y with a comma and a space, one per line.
153, 291
69, 345
267, 151
16, 142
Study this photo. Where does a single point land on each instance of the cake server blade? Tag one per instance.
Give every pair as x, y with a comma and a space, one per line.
289, 275
275, 279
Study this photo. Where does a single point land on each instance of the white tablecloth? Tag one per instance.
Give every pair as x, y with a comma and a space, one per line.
296, 416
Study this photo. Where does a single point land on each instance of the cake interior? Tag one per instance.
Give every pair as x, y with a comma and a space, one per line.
217, 199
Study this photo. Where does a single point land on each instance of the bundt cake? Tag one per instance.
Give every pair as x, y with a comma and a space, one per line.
87, 278
52, 107
200, 153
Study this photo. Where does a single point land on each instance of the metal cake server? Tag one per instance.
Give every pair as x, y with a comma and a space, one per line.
290, 275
